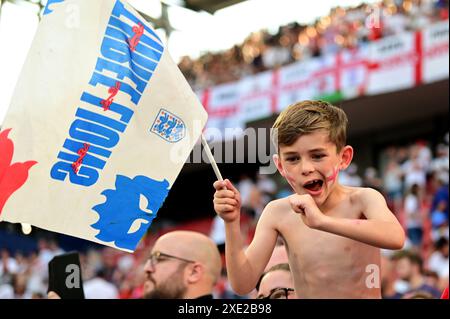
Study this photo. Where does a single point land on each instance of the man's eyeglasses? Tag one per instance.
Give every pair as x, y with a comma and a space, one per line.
278, 293
158, 256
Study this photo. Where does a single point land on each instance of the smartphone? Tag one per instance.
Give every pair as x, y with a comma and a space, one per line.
64, 276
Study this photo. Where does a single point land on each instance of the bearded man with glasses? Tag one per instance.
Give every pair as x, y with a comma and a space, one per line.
182, 265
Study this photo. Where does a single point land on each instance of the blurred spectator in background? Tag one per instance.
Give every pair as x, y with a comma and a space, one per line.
409, 267
431, 278
6, 291
392, 184
19, 283
276, 283
182, 265
388, 279
8, 266
439, 222
414, 170
414, 222
267, 187
99, 288
441, 197
438, 262
217, 233
440, 165
349, 177
245, 187
372, 180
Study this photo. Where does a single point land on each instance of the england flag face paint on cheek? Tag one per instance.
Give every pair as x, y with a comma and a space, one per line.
331, 178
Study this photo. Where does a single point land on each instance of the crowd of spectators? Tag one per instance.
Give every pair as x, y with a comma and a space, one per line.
413, 178
342, 28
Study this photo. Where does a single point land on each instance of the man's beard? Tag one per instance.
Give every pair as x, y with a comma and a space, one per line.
171, 288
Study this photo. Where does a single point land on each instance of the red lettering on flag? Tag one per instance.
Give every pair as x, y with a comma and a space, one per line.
82, 152
113, 91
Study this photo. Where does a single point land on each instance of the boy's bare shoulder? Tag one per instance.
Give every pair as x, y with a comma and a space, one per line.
276, 212
281, 204
277, 208
363, 194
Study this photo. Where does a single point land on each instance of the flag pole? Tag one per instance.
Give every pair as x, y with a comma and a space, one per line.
211, 159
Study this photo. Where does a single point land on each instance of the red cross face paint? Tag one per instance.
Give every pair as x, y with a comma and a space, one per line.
332, 177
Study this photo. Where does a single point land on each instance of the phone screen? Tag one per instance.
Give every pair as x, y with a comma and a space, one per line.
64, 276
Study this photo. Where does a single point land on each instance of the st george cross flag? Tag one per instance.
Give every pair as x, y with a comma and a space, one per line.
99, 126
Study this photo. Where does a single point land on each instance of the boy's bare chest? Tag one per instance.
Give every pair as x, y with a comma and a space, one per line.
315, 247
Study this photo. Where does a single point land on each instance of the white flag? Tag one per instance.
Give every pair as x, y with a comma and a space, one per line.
99, 127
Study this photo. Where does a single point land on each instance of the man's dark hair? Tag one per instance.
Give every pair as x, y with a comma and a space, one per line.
441, 243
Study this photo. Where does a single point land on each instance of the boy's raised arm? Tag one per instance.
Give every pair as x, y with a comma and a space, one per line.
244, 266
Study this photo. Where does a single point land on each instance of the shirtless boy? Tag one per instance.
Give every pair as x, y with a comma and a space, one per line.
333, 233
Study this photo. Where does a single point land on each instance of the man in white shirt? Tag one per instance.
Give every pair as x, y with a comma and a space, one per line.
99, 288
438, 261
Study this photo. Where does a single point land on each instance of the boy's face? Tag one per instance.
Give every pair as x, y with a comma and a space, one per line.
311, 165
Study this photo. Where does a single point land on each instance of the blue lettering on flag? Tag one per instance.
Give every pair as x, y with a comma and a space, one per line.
121, 72
119, 10
116, 49
128, 57
93, 134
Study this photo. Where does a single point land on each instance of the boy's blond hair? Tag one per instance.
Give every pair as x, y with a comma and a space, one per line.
308, 116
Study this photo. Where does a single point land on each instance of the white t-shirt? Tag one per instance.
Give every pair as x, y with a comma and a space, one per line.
12, 266
350, 180
414, 174
441, 167
6, 291
245, 187
412, 211
218, 230
439, 264
98, 288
